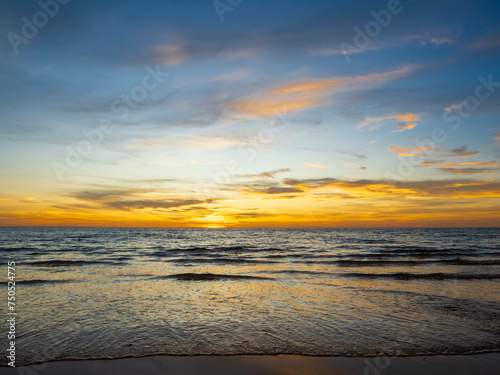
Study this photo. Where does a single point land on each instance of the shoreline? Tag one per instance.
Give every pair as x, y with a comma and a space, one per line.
478, 364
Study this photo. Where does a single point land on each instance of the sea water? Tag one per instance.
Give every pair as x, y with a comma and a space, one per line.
87, 293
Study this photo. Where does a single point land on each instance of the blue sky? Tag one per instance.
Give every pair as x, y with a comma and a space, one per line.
250, 113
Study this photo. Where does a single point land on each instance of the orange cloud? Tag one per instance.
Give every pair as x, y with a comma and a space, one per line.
316, 165
322, 202
335, 189
318, 86
173, 54
305, 94
407, 117
264, 109
404, 126
486, 164
310, 86
469, 167
433, 152
411, 151
468, 170
409, 121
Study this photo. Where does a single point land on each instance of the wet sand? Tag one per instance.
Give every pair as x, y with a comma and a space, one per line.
483, 364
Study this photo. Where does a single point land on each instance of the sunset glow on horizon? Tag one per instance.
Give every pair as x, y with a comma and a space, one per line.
283, 114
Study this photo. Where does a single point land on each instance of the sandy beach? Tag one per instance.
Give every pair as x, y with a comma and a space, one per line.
484, 364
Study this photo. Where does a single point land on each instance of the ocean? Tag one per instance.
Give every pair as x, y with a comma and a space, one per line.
91, 293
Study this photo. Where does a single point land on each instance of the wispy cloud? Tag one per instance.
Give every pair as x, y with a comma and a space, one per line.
433, 152
469, 170
489, 41
402, 126
154, 204
455, 107
104, 194
270, 174
312, 86
292, 97
338, 84
488, 164
321, 166
134, 199
267, 188
435, 37
334, 188
175, 54
469, 167
191, 141
261, 109
409, 121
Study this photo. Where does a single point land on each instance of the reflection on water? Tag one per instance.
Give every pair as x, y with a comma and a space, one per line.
135, 292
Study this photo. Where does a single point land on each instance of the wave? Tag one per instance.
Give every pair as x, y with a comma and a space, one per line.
63, 263
301, 272
165, 252
390, 255
121, 258
458, 262
422, 276
209, 277
368, 353
218, 261
196, 251
138, 275
373, 241
214, 248
38, 281
17, 248
421, 251
473, 262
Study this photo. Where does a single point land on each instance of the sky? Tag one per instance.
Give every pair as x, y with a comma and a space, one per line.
250, 113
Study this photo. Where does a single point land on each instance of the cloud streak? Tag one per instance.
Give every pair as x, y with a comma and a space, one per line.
408, 121
270, 174
321, 166
114, 199
371, 188
433, 152
470, 167
300, 95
